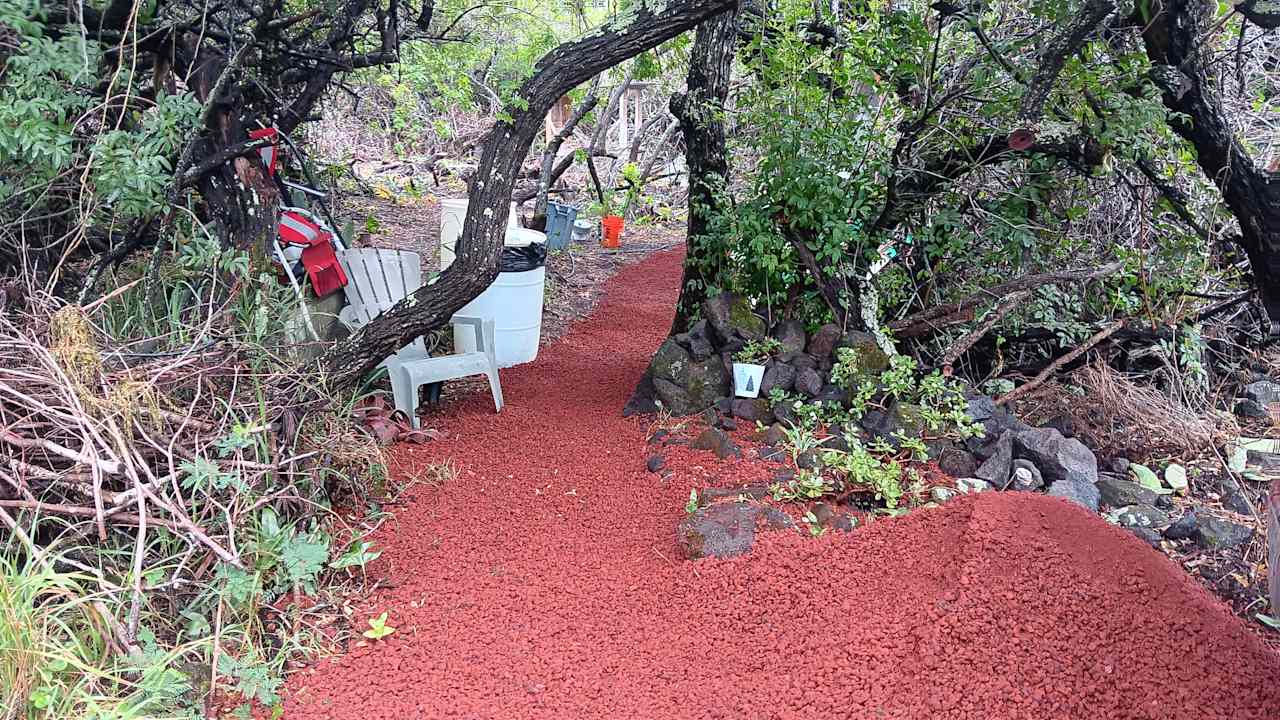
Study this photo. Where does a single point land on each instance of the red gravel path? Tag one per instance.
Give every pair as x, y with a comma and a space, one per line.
541, 584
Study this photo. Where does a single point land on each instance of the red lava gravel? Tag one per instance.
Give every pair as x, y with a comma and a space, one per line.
543, 583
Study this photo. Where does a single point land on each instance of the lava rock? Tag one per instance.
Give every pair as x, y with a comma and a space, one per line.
1084, 494
1064, 424
1184, 528
728, 423
1025, 476
1119, 466
785, 413
717, 441
658, 436
799, 360
1147, 535
1251, 409
823, 342
771, 454
1262, 392
686, 386
711, 417
731, 317
1116, 492
752, 410
942, 494
836, 442
808, 382
778, 375
726, 529
833, 395
996, 468
655, 463
844, 522
1215, 534
1144, 516
1235, 501
790, 334
866, 360
969, 486
775, 435
957, 463
807, 460
1058, 458
700, 346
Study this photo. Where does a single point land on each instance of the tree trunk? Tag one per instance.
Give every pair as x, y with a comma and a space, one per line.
1175, 40
504, 150
701, 114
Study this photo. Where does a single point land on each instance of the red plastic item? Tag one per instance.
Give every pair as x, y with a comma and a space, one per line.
318, 257
269, 153
612, 235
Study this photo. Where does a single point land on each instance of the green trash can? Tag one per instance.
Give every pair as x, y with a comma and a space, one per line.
560, 219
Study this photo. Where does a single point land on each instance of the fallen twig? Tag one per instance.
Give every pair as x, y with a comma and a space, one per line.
1054, 366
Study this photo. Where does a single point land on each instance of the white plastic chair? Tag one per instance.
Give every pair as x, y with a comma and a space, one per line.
378, 279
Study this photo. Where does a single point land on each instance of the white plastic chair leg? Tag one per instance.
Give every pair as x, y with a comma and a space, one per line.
495, 386
405, 392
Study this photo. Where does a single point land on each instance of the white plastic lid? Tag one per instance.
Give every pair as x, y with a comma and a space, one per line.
524, 237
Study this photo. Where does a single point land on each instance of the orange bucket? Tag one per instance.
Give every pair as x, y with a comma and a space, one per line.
611, 237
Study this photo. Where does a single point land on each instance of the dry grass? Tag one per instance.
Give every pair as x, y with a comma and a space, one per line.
1144, 420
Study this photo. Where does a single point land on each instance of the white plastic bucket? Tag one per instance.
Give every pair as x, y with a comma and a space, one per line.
453, 213
514, 301
746, 379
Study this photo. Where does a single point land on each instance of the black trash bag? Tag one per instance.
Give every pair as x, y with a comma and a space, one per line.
523, 259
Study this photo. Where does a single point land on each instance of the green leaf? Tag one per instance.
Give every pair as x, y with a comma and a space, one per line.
357, 554
1147, 478
1176, 477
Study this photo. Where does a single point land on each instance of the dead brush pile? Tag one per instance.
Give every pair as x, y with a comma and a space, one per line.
1144, 420
191, 487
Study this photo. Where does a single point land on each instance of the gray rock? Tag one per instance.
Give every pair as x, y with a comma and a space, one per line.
823, 342
996, 468
1144, 516
728, 424
982, 408
726, 529
1251, 409
942, 494
731, 316
1119, 493
1025, 476
1147, 535
790, 333
655, 463
836, 442
700, 347
902, 419
1057, 457
1263, 392
684, 385
1084, 494
807, 460
752, 410
1235, 501
799, 360
833, 395
867, 360
785, 413
771, 454
1185, 527
957, 463
1215, 534
808, 382
969, 486
718, 442
778, 375
1119, 466
775, 435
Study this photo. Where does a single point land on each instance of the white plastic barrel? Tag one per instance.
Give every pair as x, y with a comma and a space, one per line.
453, 212
514, 301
